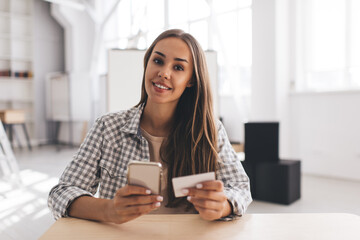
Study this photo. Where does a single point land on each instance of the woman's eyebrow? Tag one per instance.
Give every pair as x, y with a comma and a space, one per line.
181, 59
160, 53
177, 59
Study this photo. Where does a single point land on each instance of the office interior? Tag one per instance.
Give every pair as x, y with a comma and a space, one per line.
293, 62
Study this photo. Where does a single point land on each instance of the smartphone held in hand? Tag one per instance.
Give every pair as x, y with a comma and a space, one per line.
145, 174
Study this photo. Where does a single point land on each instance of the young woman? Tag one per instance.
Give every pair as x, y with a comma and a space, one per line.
173, 124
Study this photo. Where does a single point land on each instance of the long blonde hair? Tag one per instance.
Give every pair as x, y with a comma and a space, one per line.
191, 146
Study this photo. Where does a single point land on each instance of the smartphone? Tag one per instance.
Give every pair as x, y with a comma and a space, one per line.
145, 174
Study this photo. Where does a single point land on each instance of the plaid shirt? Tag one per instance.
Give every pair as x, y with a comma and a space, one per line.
100, 164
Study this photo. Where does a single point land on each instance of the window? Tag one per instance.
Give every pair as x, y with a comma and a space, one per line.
135, 24
331, 37
223, 26
209, 22
191, 16
234, 47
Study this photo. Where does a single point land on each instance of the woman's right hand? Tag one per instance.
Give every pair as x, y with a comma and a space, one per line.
131, 202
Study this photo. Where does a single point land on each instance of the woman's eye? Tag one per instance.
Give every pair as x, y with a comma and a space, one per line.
157, 61
179, 68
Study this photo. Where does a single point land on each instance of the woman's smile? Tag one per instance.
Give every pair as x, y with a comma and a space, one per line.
159, 87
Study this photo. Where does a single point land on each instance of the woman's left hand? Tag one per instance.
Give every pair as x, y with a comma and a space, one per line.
209, 200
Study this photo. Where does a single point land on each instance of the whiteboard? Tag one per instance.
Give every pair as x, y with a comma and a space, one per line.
57, 97
125, 77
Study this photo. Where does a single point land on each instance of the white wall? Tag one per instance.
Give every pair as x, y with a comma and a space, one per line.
48, 53
320, 129
263, 81
79, 38
326, 133
234, 110
270, 67
269, 80
323, 128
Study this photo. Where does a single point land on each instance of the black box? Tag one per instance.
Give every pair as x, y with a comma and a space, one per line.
278, 182
261, 142
250, 171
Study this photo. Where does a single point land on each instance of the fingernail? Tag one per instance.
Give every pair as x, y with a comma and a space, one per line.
189, 198
199, 185
147, 191
185, 191
159, 198
157, 204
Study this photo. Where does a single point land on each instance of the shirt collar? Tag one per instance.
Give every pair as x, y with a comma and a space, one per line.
133, 123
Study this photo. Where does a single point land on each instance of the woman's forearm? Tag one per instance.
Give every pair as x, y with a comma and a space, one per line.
91, 208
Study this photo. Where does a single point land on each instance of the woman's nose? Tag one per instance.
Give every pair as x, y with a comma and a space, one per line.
164, 74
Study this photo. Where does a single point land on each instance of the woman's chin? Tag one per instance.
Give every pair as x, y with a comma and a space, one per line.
159, 100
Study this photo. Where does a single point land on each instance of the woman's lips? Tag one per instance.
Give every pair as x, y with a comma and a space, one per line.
160, 88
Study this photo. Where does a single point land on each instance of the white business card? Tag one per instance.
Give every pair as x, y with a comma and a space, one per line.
190, 181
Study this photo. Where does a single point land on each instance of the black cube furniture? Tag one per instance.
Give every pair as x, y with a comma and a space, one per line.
278, 182
271, 179
250, 171
262, 141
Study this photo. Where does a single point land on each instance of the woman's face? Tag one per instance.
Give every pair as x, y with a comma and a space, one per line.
169, 71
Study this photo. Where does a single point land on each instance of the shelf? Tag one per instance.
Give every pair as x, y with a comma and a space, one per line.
18, 59
21, 7
5, 35
16, 55
16, 90
12, 79
4, 5
4, 14
5, 46
21, 25
22, 17
5, 57
21, 59
21, 37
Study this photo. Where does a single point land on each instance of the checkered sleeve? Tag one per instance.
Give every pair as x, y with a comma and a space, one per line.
232, 174
81, 176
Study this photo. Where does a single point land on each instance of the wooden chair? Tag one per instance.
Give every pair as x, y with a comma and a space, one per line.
12, 117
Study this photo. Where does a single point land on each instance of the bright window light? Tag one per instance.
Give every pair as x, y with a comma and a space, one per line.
138, 22
355, 43
332, 44
200, 31
178, 12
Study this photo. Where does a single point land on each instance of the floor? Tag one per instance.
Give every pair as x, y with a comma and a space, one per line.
24, 213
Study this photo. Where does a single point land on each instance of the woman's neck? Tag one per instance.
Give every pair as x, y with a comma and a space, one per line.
157, 119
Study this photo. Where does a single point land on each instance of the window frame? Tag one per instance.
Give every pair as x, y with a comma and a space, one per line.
302, 62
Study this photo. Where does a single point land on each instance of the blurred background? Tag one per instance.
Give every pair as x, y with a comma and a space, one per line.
63, 63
